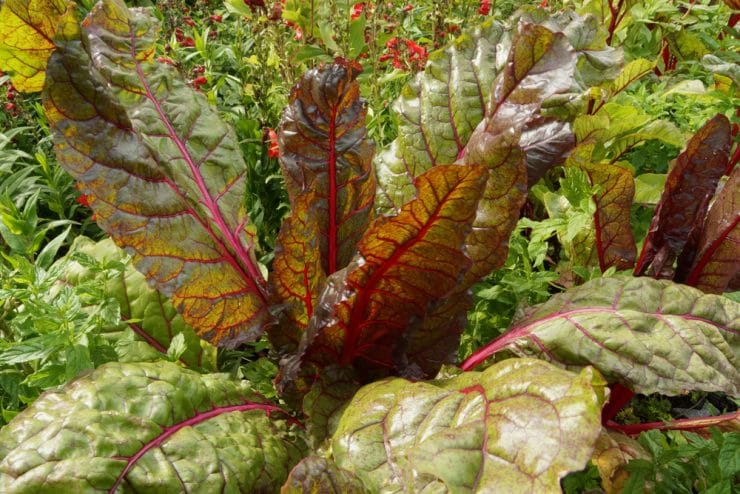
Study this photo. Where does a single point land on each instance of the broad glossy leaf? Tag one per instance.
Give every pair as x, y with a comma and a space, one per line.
145, 311
324, 148
716, 262
519, 426
27, 29
613, 451
146, 428
683, 205
405, 264
316, 475
163, 174
297, 274
439, 109
653, 336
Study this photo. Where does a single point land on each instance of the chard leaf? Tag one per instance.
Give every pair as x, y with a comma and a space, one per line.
27, 29
683, 205
716, 262
653, 336
519, 426
163, 174
615, 243
148, 313
541, 65
148, 427
324, 148
318, 475
297, 274
439, 109
326, 160
404, 264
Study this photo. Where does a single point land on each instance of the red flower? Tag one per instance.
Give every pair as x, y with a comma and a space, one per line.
408, 8
357, 10
9, 106
274, 150
298, 33
187, 20
83, 199
216, 18
543, 3
485, 7
166, 60
199, 81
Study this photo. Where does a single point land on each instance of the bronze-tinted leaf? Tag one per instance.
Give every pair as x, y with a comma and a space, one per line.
324, 148
405, 263
716, 262
297, 275
163, 174
683, 205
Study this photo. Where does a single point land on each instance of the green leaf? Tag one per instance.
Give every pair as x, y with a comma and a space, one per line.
162, 172
27, 29
438, 111
149, 314
729, 455
653, 336
648, 187
519, 426
316, 475
148, 427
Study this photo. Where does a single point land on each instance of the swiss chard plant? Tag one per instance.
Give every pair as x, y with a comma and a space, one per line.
370, 284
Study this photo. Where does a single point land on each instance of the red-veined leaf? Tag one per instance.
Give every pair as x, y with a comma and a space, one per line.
297, 275
683, 205
716, 262
653, 336
324, 148
615, 243
163, 174
405, 264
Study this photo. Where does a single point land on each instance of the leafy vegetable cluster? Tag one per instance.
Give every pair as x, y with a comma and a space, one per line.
372, 273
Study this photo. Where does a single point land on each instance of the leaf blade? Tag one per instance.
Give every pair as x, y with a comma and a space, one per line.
147, 171
653, 336
468, 433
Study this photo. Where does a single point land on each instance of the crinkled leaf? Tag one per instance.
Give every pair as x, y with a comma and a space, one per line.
148, 427
297, 274
716, 262
316, 475
613, 451
439, 109
404, 265
324, 148
519, 426
148, 313
683, 205
163, 174
27, 29
653, 336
